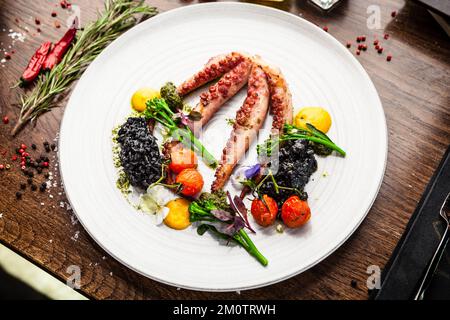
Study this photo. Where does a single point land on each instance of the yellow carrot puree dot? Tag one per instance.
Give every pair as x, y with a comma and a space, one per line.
178, 216
141, 96
317, 116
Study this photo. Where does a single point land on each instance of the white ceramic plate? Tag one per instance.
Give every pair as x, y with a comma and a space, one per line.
174, 45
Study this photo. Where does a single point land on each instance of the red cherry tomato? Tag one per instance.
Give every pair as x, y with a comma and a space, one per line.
295, 212
182, 158
191, 182
264, 213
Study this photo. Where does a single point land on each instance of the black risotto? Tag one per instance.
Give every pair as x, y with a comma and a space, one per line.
296, 163
139, 153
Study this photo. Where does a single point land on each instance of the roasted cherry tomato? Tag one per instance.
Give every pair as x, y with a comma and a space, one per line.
295, 212
182, 158
264, 213
191, 182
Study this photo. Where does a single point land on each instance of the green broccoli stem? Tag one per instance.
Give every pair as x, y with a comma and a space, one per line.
251, 248
326, 143
158, 110
195, 144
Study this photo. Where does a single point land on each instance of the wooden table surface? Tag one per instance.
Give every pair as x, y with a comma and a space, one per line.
414, 89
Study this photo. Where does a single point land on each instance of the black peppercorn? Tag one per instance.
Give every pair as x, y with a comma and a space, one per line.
53, 146
42, 188
19, 195
353, 283
39, 170
23, 186
33, 146
33, 187
44, 184
30, 181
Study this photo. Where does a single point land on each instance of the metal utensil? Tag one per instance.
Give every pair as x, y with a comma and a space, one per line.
434, 262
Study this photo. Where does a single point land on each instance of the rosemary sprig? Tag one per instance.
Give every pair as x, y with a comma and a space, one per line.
117, 17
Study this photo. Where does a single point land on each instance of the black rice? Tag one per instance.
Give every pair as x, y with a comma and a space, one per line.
296, 164
139, 153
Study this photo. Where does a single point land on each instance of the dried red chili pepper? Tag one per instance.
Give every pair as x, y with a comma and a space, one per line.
36, 62
60, 48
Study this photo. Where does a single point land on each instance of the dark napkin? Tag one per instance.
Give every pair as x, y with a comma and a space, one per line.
400, 278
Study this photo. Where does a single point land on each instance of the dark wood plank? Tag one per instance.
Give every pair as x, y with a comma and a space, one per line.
414, 88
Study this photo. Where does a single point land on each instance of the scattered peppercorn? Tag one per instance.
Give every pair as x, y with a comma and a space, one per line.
53, 146
18, 195
53, 14
33, 146
33, 187
23, 186
37, 21
7, 56
358, 52
354, 284
39, 170
348, 45
389, 58
393, 14
5, 120
375, 42
38, 30
44, 184
358, 39
380, 50
42, 188
30, 181
364, 47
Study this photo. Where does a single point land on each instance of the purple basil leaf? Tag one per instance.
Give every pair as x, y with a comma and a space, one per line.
195, 115
235, 208
183, 118
243, 211
233, 228
252, 171
222, 215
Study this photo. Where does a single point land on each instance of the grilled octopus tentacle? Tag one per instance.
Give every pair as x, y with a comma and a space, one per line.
220, 92
280, 97
249, 119
280, 106
214, 68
